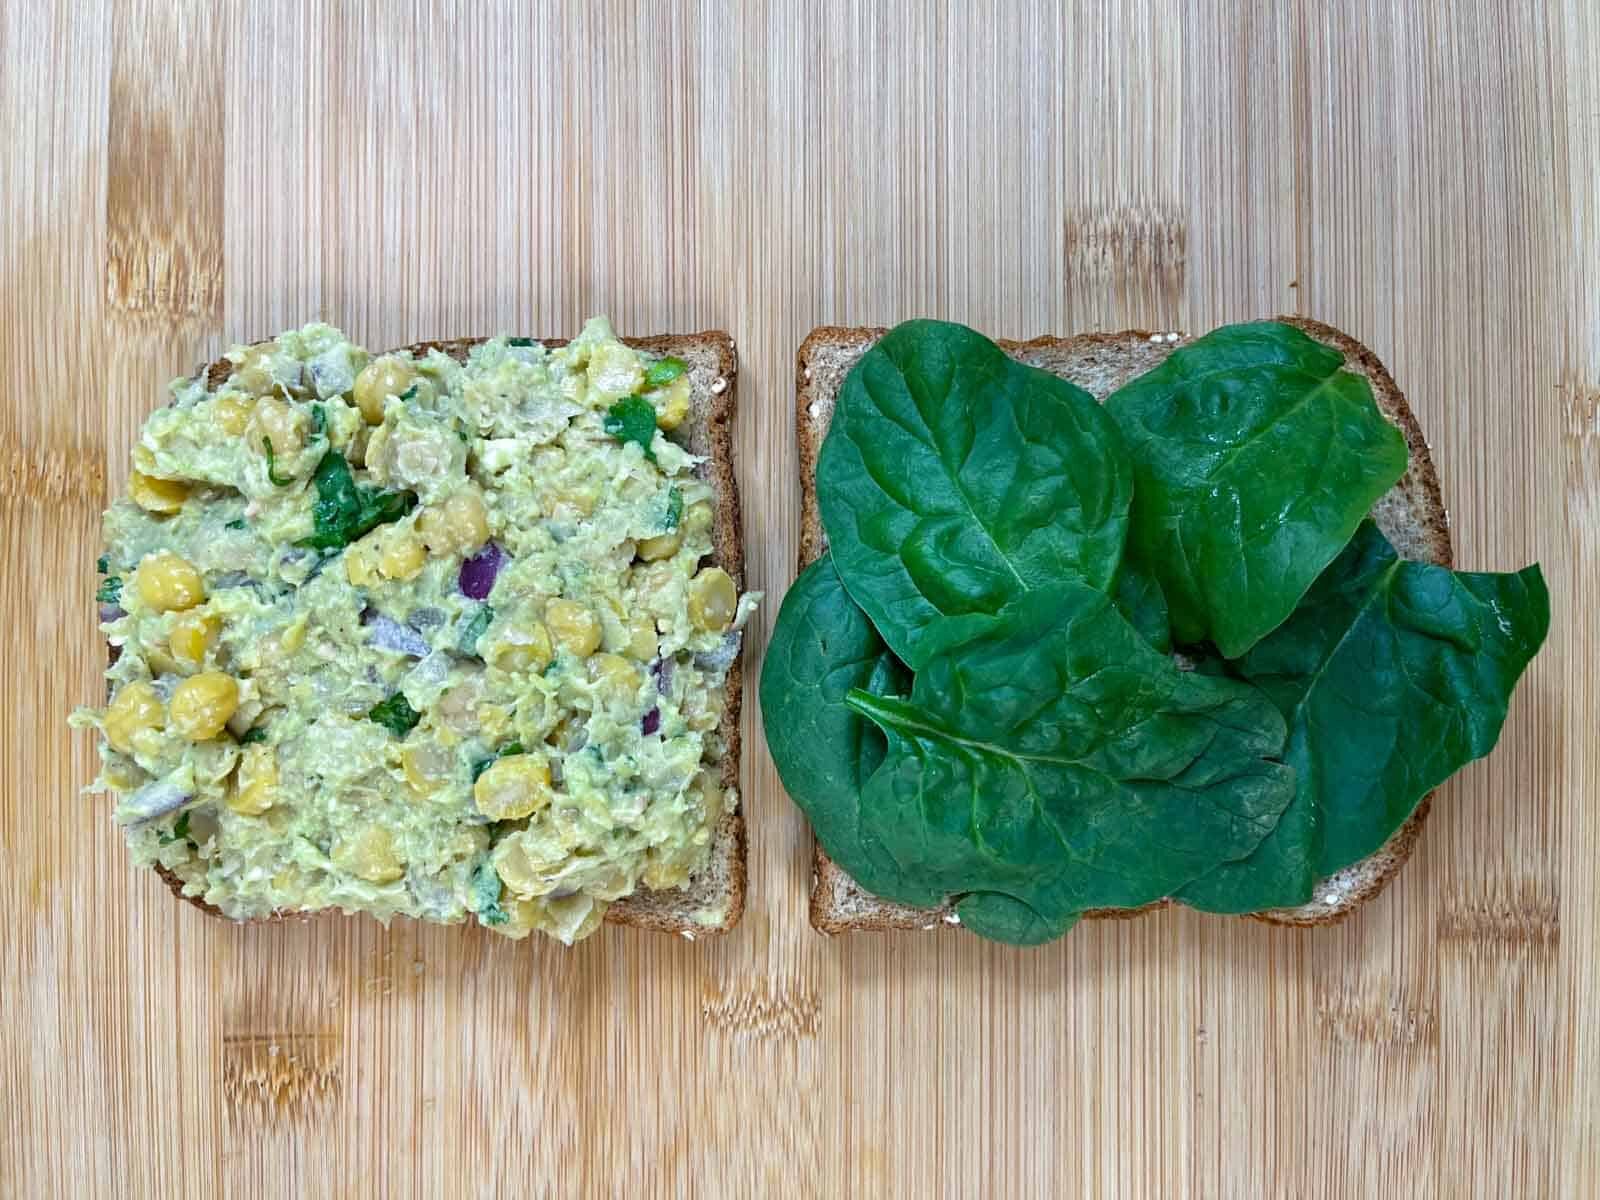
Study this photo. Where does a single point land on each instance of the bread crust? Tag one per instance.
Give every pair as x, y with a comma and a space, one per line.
1412, 514
714, 363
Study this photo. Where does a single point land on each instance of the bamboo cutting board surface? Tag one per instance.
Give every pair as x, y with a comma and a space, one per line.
178, 177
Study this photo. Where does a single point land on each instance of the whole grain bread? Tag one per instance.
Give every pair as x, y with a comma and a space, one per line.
1411, 515
713, 900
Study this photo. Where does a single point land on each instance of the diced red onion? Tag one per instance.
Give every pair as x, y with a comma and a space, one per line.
478, 572
332, 373
153, 800
390, 635
425, 618
429, 674
110, 613
717, 662
288, 372
661, 672
629, 806
432, 897
651, 723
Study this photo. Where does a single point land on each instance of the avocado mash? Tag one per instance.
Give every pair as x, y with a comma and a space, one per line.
401, 634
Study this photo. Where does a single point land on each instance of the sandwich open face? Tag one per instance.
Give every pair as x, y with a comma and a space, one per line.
1086, 626
450, 632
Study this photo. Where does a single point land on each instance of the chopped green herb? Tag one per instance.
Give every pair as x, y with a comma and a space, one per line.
236, 523
473, 630
319, 420
110, 591
272, 464
483, 764
662, 372
410, 393
179, 831
674, 509
102, 564
251, 736
519, 341
462, 434
395, 714
486, 895
633, 420
344, 510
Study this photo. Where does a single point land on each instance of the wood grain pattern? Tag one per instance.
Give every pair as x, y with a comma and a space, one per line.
177, 176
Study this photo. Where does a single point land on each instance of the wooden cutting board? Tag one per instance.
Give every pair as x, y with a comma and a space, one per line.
176, 177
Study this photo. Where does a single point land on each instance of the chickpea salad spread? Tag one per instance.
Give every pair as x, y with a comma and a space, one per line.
407, 635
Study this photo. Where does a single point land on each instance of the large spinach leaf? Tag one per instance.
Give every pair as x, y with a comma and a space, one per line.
1059, 760
1138, 598
954, 479
1255, 457
822, 647
1392, 675
1002, 918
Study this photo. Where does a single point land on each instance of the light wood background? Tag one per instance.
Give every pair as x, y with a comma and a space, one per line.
1424, 175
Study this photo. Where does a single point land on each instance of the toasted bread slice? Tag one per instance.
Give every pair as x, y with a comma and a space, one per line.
1411, 515
713, 901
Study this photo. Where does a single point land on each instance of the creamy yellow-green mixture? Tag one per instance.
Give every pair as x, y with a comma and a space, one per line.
405, 635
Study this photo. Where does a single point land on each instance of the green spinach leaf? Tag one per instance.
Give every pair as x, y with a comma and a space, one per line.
633, 420
822, 647
345, 510
473, 630
1255, 456
1060, 760
1392, 675
395, 714
954, 479
1003, 918
1138, 598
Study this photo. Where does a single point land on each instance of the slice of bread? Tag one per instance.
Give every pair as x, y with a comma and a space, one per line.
713, 901
1411, 515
